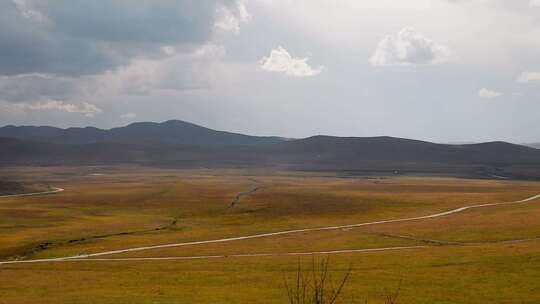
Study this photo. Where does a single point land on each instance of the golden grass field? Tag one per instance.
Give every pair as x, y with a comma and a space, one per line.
469, 257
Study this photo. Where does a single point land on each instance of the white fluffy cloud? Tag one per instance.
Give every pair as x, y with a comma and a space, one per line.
534, 3
228, 19
529, 77
281, 61
87, 109
488, 94
409, 47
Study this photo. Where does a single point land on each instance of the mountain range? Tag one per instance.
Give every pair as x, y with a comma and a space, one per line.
185, 145
172, 132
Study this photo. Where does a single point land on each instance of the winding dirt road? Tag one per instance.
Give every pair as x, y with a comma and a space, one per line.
262, 235
56, 190
204, 257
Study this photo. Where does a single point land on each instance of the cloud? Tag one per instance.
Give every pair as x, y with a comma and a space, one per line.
32, 87
529, 77
488, 94
79, 37
229, 18
128, 116
28, 12
88, 109
280, 61
83, 50
408, 47
179, 71
534, 3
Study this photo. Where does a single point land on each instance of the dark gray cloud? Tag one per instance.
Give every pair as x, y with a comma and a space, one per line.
32, 87
130, 22
77, 37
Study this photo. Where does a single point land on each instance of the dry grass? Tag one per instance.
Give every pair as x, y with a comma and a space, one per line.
96, 210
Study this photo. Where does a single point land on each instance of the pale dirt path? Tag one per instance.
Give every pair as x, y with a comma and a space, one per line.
204, 257
248, 255
56, 190
254, 236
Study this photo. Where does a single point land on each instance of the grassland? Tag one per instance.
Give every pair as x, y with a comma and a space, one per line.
467, 259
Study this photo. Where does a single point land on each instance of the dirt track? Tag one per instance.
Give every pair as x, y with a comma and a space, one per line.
56, 190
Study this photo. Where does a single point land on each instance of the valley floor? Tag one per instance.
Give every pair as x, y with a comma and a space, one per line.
486, 254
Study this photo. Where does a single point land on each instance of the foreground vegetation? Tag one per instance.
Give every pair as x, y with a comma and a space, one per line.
456, 259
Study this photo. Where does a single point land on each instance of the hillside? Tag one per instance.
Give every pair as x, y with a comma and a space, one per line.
388, 154
355, 155
172, 132
10, 187
534, 145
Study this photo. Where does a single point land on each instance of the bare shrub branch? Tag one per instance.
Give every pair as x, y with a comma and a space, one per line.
315, 285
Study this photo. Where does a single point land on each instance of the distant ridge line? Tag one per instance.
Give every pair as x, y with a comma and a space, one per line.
181, 144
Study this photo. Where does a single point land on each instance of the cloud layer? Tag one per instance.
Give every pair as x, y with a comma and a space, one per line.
55, 55
79, 37
409, 47
84, 108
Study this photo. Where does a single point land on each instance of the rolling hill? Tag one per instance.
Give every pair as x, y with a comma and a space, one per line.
185, 145
173, 132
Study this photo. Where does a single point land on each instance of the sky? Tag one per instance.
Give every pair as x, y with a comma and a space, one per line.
437, 70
